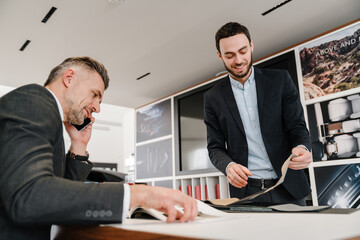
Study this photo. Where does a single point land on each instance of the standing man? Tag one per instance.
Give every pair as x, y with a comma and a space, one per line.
40, 185
254, 121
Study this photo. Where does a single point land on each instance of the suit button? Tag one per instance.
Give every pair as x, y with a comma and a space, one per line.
109, 213
102, 213
88, 213
245, 147
95, 214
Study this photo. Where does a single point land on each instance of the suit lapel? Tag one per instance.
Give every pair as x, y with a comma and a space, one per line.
231, 103
260, 90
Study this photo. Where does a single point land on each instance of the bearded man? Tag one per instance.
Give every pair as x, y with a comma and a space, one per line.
254, 121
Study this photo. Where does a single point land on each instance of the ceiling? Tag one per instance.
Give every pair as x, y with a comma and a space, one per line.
171, 39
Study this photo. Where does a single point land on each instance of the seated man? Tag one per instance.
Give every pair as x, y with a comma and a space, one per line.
40, 184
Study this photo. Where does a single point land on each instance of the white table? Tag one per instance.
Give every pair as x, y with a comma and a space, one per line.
259, 226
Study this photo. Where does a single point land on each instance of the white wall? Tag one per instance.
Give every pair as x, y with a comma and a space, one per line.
112, 138
5, 89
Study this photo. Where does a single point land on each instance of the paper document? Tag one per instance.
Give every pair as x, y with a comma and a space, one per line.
230, 201
205, 209
205, 212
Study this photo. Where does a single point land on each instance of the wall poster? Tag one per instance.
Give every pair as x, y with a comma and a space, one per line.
153, 121
331, 64
338, 186
154, 159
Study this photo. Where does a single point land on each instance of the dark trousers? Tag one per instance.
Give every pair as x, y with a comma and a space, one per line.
278, 195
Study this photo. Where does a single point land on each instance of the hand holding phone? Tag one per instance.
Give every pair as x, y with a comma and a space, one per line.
80, 127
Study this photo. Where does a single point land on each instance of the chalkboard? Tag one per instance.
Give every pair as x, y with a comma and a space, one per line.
153, 121
154, 159
165, 183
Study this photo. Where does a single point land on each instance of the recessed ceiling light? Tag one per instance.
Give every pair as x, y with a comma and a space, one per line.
24, 45
117, 1
143, 76
49, 14
276, 7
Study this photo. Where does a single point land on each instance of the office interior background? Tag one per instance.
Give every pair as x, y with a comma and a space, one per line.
151, 49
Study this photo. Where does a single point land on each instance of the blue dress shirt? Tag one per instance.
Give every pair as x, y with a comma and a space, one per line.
246, 99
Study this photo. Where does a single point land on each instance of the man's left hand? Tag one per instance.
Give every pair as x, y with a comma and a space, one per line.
303, 159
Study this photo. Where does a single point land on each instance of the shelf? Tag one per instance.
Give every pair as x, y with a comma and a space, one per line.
203, 188
334, 162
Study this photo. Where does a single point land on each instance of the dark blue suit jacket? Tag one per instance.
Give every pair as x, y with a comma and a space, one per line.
281, 121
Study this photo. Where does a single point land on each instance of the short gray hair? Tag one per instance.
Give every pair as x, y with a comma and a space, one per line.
85, 62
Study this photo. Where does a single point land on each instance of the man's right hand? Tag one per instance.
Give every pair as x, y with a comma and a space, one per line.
237, 175
164, 200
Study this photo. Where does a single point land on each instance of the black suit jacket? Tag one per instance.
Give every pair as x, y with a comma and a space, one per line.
281, 121
35, 185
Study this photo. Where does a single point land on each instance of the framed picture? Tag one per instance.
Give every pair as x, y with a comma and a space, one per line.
338, 186
154, 159
331, 64
153, 121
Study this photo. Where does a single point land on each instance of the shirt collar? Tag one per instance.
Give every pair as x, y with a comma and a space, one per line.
59, 105
250, 80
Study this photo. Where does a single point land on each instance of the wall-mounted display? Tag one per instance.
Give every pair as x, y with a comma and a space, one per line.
153, 121
166, 183
154, 159
192, 155
332, 63
338, 186
284, 61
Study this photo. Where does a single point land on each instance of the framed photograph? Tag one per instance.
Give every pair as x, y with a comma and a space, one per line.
331, 64
338, 186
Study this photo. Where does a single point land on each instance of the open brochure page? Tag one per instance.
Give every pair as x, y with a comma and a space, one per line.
147, 213
229, 201
206, 213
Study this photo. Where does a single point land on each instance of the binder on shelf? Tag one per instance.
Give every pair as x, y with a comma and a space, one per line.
206, 193
217, 191
189, 190
198, 192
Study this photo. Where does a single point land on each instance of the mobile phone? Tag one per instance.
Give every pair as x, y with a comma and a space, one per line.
87, 121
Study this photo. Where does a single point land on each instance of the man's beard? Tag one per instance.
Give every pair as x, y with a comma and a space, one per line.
75, 116
237, 76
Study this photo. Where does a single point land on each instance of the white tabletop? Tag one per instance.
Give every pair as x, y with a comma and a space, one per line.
259, 226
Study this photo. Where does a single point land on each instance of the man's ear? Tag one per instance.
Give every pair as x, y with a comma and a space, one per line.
67, 77
219, 55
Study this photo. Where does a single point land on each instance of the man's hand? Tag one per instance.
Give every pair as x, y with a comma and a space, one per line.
79, 139
237, 175
164, 200
303, 159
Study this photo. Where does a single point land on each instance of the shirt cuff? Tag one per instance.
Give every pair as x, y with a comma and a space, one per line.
228, 166
303, 147
126, 202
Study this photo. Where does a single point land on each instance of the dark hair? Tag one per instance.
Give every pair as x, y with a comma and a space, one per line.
85, 62
230, 29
